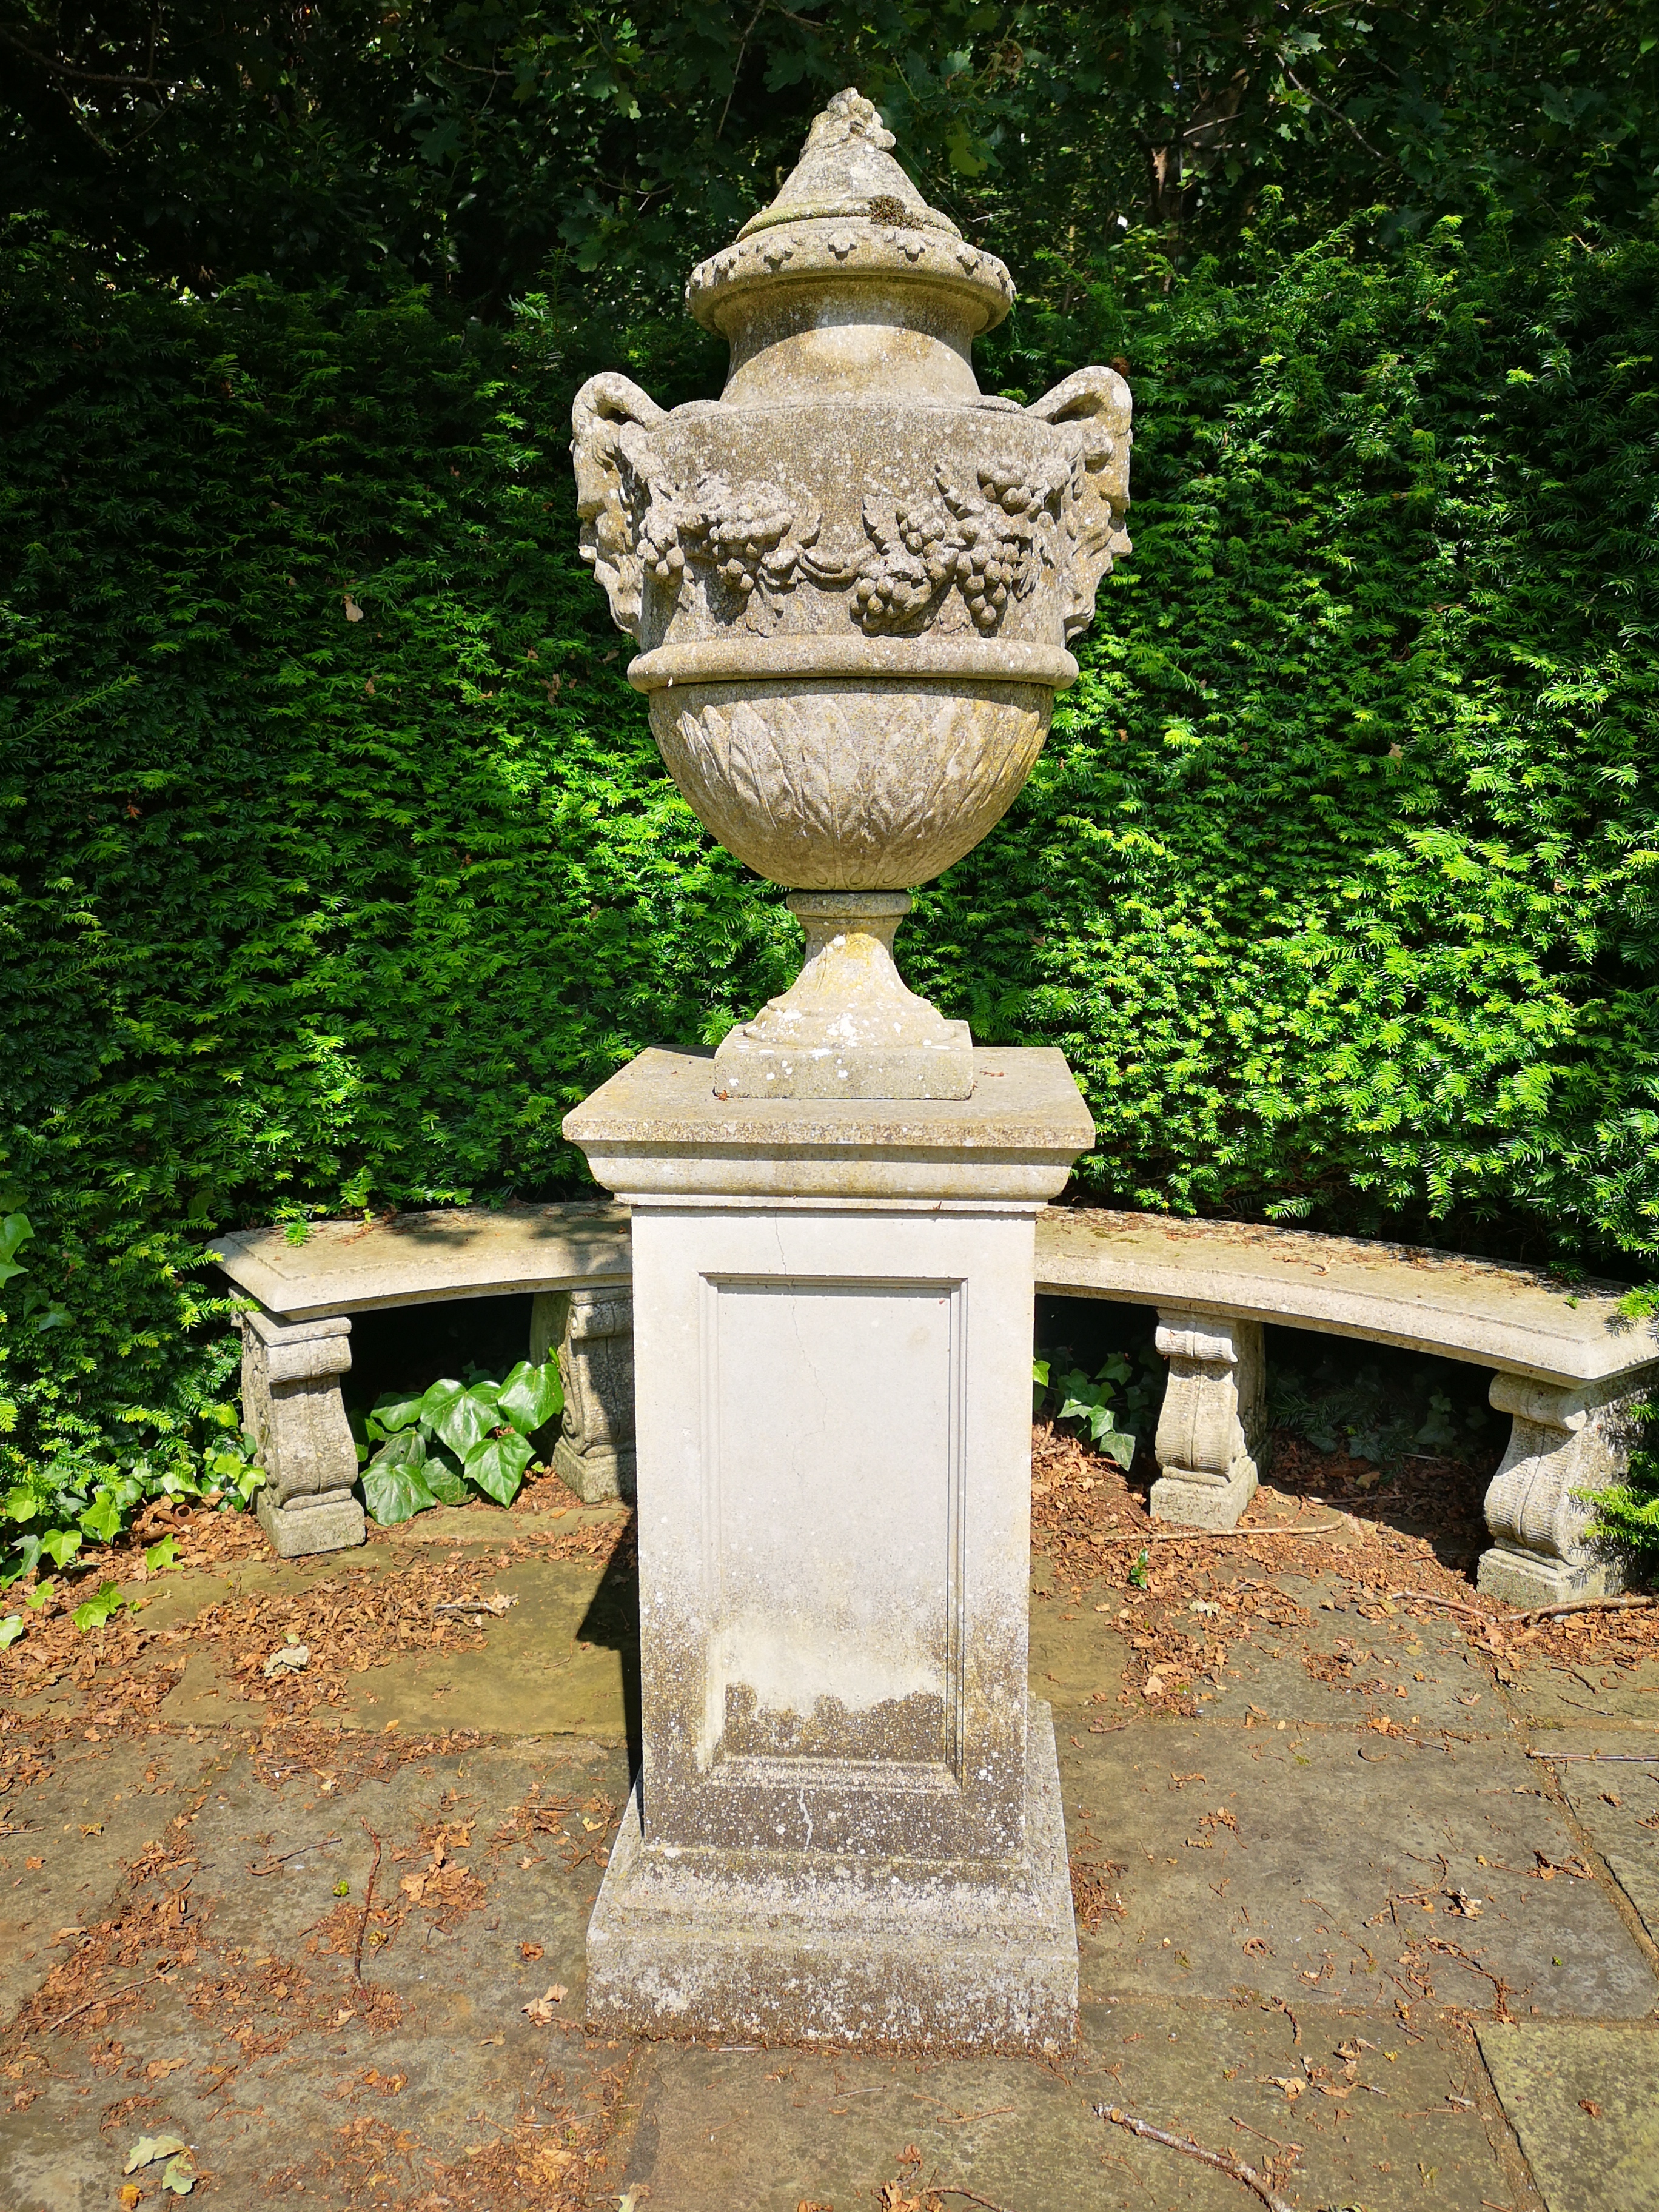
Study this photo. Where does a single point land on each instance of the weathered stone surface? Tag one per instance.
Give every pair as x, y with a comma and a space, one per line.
593, 1333
1214, 1420
419, 1258
848, 1027
852, 1949
852, 576
1580, 2096
1485, 1311
332, 1523
656, 1130
833, 1404
1565, 1446
292, 1406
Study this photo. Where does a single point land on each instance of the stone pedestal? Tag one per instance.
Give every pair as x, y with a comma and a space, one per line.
847, 1828
291, 1405
1564, 1445
1211, 1432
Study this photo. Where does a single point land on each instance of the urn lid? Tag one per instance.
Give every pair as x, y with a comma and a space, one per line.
849, 212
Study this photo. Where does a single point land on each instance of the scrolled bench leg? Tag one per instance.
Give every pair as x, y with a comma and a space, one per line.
594, 1454
1213, 1424
1563, 1440
291, 1405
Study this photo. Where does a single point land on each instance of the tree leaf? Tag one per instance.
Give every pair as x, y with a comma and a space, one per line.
530, 1396
148, 2148
497, 1466
11, 1629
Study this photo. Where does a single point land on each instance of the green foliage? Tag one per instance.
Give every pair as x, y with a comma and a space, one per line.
585, 147
104, 1603
1092, 1400
1626, 1516
11, 1629
455, 1434
336, 862
1378, 1406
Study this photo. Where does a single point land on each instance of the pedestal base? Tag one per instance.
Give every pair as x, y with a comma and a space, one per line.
1525, 1579
805, 1947
333, 1523
1196, 1505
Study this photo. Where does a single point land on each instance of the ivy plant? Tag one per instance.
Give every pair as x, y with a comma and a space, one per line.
454, 1439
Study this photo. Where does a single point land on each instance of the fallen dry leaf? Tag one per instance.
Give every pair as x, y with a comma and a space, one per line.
1589, 2104
530, 1950
540, 2009
148, 2148
291, 1659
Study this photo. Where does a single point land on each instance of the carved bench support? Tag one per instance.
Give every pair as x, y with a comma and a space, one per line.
594, 1332
292, 1405
1563, 1440
1213, 1424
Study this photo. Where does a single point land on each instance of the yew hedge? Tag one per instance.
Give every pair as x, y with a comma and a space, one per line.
337, 860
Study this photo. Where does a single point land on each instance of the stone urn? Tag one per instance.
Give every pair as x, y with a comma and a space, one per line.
852, 579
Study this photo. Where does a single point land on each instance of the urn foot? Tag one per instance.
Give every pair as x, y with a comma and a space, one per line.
848, 1027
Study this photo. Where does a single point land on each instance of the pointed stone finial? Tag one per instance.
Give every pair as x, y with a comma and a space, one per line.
846, 218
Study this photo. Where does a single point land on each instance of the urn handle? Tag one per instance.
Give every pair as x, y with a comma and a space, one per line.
619, 477
1094, 406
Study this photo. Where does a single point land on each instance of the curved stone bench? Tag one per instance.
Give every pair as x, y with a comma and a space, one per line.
574, 1260
1569, 1365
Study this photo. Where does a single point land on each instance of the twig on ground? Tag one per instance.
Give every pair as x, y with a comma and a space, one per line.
951, 2189
283, 1857
368, 1901
1633, 1603
1451, 1604
1277, 2141
1223, 2161
1226, 1536
1598, 1758
106, 1996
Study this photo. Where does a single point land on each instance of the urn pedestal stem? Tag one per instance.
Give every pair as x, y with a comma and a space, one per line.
848, 1026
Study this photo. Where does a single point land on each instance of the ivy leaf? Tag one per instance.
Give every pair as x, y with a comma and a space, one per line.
445, 1485
467, 1417
105, 1602
158, 1558
61, 1545
15, 1229
530, 1396
392, 1412
102, 1518
394, 1484
11, 1629
497, 1466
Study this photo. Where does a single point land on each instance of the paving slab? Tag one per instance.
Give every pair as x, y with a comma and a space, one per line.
1570, 1697
755, 2131
1583, 2099
1325, 1867
68, 1836
265, 2048
1615, 1799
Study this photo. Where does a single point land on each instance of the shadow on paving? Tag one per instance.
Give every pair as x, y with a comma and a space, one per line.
1320, 1921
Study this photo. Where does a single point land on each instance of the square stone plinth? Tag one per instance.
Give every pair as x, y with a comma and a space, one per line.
847, 1828
804, 1948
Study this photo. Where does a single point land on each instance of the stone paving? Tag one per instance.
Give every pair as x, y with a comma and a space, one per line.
1369, 1943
